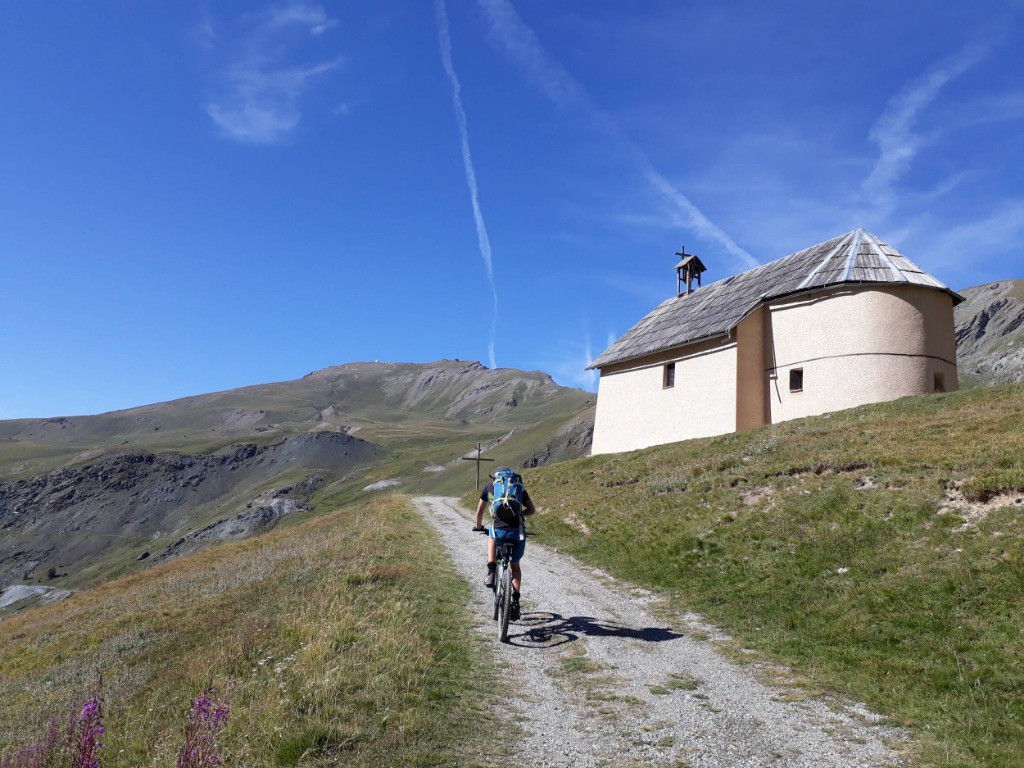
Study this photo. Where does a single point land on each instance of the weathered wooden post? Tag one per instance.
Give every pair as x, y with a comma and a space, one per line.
478, 458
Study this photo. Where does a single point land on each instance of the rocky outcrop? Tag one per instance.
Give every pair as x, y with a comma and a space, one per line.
990, 333
75, 515
260, 515
572, 441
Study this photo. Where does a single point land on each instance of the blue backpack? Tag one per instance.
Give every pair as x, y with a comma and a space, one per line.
507, 502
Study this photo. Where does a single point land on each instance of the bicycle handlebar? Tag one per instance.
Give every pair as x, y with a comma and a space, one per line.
487, 530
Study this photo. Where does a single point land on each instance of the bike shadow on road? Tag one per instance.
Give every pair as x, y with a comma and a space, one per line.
541, 629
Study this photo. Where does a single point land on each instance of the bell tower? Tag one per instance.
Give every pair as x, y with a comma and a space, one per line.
688, 268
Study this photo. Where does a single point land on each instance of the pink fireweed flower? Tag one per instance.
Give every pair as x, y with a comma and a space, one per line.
87, 731
39, 755
205, 722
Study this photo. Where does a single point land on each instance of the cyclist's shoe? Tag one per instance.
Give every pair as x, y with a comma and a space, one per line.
489, 581
513, 613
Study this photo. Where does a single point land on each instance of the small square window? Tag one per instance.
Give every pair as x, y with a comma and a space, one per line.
669, 376
796, 380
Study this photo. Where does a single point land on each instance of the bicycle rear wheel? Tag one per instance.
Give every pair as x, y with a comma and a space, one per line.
505, 607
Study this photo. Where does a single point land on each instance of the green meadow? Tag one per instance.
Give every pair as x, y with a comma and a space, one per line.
879, 552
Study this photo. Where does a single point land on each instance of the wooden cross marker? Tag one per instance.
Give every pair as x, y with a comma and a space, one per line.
478, 458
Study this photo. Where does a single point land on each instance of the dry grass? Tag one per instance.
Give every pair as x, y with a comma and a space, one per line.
336, 642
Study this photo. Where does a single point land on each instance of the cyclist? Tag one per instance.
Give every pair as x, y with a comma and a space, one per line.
500, 530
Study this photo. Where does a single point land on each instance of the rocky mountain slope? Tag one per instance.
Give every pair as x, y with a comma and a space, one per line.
147, 502
990, 333
83, 498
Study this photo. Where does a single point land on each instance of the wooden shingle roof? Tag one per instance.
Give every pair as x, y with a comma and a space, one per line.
716, 309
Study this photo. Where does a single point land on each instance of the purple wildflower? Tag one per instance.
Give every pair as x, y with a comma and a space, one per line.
87, 732
61, 744
205, 722
31, 756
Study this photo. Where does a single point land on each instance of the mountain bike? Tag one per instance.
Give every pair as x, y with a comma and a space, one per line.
502, 608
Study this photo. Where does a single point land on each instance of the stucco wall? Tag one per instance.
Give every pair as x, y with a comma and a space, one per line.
857, 346
635, 410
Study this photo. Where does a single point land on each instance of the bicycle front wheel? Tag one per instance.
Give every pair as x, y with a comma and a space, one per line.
505, 607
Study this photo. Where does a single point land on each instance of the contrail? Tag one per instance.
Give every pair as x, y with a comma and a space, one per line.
445, 43
893, 131
564, 90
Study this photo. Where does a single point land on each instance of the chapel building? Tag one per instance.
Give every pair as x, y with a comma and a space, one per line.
843, 323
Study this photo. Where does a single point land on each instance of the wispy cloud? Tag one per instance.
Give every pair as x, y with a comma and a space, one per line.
568, 360
204, 33
304, 14
894, 133
259, 99
649, 292
521, 44
955, 249
445, 44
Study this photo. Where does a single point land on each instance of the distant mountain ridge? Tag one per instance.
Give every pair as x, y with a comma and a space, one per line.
83, 498
990, 333
377, 400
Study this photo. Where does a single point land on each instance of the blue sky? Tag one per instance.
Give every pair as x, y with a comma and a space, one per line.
199, 196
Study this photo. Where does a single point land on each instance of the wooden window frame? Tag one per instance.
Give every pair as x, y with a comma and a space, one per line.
668, 376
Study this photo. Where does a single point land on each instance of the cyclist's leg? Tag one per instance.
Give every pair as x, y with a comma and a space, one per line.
517, 571
491, 559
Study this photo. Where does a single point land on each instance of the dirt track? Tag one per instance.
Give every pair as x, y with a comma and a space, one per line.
603, 679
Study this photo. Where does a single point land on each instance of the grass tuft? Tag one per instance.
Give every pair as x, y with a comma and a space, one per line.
994, 483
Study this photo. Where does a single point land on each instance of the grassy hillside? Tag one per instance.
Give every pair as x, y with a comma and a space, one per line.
381, 402
75, 503
880, 551
333, 641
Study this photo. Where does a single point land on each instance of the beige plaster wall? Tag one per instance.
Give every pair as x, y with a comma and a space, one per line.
857, 346
634, 410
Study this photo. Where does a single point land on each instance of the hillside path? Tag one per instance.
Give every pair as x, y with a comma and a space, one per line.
599, 678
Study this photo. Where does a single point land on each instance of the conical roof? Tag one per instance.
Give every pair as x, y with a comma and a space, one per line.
857, 257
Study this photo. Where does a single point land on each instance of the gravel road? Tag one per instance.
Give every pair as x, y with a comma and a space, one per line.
602, 677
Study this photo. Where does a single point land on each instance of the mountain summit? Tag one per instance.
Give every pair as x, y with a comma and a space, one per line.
86, 497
